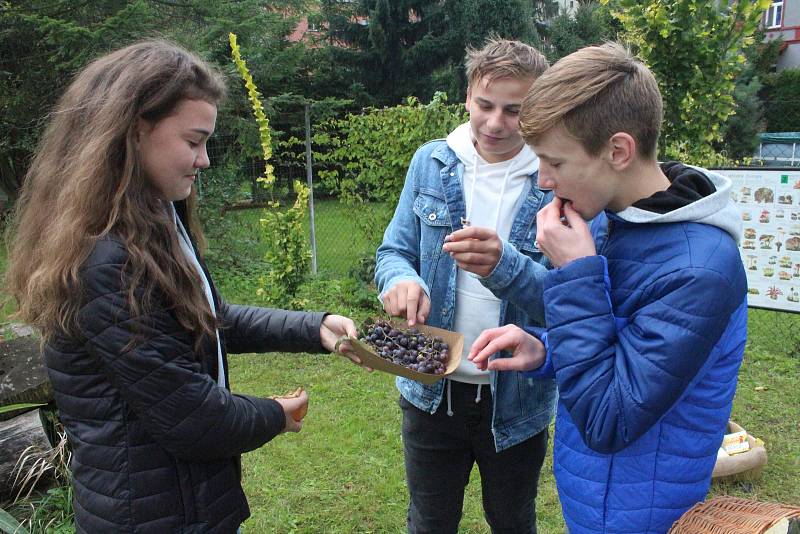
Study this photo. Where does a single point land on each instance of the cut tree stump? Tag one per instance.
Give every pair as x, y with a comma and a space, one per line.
23, 376
23, 379
16, 435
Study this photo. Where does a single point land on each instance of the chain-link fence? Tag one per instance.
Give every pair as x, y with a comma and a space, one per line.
339, 244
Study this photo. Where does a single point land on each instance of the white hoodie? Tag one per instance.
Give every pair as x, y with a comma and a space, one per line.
491, 195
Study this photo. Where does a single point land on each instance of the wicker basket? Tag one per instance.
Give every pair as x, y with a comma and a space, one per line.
731, 515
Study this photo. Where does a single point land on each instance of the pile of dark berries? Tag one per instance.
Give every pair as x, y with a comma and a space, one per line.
409, 348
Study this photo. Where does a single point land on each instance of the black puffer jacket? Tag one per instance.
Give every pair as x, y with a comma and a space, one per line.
156, 442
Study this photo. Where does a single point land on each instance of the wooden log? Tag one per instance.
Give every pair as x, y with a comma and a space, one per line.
23, 376
17, 435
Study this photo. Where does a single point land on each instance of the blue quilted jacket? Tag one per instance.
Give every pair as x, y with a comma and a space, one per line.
646, 340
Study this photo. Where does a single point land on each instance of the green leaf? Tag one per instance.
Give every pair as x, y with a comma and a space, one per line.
9, 525
21, 406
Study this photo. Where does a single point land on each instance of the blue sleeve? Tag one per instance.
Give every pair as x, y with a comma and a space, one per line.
618, 376
545, 371
397, 258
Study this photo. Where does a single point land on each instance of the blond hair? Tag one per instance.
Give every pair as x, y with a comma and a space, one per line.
596, 92
86, 181
501, 58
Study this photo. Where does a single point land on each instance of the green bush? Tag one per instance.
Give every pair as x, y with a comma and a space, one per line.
740, 132
365, 157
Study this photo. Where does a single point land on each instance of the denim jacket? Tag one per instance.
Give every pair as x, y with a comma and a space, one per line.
431, 206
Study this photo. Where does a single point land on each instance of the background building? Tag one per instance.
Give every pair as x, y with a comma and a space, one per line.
782, 20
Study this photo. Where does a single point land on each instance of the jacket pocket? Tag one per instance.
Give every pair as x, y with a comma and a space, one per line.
434, 225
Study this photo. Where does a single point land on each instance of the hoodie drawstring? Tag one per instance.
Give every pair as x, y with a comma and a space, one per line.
449, 396
472, 186
500, 202
449, 403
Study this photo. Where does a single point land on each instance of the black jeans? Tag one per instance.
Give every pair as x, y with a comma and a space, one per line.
440, 451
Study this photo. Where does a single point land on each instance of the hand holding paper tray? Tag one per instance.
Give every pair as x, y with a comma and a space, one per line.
370, 358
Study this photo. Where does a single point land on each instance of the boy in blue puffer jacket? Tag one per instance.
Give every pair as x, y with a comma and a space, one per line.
645, 325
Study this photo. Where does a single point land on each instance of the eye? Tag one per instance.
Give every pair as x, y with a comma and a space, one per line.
193, 144
513, 112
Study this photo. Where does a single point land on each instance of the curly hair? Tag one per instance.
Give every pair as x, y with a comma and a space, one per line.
86, 182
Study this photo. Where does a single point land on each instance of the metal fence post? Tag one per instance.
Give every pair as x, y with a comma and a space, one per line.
309, 178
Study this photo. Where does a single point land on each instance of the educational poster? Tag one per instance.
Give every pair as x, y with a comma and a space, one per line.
769, 201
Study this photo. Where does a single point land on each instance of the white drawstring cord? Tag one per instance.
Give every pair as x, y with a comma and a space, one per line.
472, 187
449, 395
500, 202
478, 396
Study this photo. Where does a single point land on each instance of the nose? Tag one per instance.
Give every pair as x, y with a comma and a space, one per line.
495, 121
545, 178
202, 161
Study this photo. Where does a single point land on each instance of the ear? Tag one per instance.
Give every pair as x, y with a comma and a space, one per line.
469, 97
621, 150
142, 127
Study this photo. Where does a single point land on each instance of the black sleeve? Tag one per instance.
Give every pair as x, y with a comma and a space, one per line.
256, 329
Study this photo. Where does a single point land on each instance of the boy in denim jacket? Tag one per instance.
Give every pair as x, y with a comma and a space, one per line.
646, 326
469, 205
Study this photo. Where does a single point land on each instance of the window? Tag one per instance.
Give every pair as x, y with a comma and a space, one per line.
774, 16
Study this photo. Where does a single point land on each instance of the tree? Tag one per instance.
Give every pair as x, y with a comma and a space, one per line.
694, 48
740, 132
375, 40
783, 102
467, 23
543, 12
403, 48
43, 43
591, 24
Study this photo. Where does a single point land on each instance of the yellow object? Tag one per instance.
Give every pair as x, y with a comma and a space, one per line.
746, 465
735, 442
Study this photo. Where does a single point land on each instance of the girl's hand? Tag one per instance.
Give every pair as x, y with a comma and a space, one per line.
294, 407
333, 328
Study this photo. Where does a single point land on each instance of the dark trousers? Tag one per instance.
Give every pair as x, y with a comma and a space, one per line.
440, 451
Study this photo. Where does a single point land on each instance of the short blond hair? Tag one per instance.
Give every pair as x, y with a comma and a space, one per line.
501, 58
596, 92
